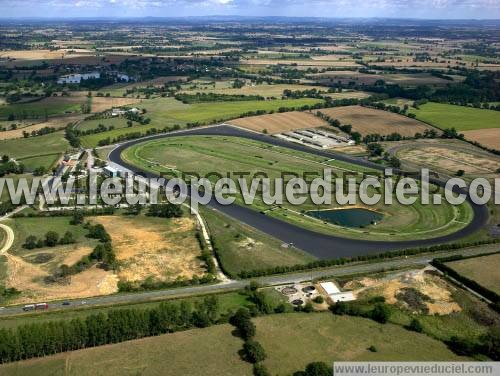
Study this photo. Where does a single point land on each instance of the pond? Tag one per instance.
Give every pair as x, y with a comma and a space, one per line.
355, 217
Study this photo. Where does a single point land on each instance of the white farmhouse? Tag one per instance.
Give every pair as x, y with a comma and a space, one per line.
76, 78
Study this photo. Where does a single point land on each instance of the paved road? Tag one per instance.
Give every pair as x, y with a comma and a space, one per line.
320, 245
338, 271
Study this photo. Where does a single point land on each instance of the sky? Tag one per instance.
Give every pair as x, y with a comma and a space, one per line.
430, 9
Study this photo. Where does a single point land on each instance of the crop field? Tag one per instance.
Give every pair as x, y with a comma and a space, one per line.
483, 270
459, 117
161, 249
168, 112
486, 137
43, 108
100, 104
42, 54
302, 62
40, 149
370, 121
208, 351
56, 122
369, 79
226, 155
280, 122
264, 90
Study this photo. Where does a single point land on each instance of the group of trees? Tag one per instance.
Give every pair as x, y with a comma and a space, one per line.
45, 338
380, 311
376, 150
7, 166
39, 132
253, 351
167, 210
51, 239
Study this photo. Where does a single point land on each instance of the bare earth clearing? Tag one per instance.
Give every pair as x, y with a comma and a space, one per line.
29, 278
164, 249
280, 122
424, 281
369, 121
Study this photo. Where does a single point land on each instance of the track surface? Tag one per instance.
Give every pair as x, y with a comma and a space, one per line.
319, 245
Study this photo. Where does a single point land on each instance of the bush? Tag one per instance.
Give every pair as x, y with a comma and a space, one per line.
372, 348
415, 326
380, 313
260, 369
319, 299
253, 351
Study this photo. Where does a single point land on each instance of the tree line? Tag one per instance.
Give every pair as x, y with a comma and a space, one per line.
46, 338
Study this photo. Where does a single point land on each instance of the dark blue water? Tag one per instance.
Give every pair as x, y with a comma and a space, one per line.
355, 217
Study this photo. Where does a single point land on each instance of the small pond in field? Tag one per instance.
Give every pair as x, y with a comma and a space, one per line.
355, 217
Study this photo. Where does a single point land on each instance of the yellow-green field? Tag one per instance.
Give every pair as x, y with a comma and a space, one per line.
484, 270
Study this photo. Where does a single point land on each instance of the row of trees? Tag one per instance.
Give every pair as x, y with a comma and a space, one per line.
45, 338
51, 239
376, 256
167, 210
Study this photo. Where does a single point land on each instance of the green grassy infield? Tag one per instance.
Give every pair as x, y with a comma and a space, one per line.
203, 154
291, 341
459, 117
166, 112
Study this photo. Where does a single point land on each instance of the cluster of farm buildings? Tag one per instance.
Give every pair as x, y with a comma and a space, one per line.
316, 138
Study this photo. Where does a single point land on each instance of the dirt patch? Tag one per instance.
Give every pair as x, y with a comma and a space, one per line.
100, 104
369, 121
486, 137
280, 122
416, 290
162, 249
29, 279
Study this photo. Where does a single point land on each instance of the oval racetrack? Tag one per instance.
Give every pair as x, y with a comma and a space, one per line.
320, 245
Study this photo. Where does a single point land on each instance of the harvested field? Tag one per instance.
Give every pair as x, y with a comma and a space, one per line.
43, 54
486, 137
153, 247
265, 90
100, 104
369, 121
483, 270
304, 63
280, 122
58, 123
